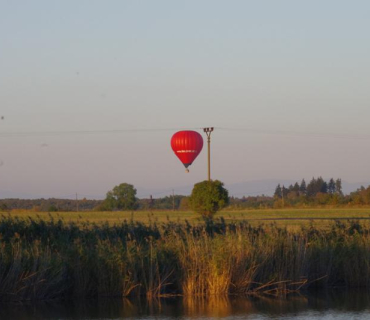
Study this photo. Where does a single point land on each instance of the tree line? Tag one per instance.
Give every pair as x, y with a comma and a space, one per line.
317, 192
312, 189
207, 198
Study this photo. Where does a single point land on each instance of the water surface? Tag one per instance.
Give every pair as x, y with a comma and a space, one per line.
318, 305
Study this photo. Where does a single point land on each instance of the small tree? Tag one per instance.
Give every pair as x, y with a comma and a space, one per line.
208, 197
53, 208
338, 187
122, 197
303, 187
331, 186
184, 203
277, 193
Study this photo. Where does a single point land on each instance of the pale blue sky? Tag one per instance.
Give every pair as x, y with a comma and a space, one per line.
269, 66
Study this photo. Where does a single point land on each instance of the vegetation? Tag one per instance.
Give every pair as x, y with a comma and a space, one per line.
176, 202
122, 197
251, 202
317, 193
54, 259
63, 205
292, 218
208, 197
43, 205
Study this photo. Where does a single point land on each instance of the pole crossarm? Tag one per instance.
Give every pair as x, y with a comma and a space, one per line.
208, 131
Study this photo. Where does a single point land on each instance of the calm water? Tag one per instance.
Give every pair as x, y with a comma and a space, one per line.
329, 305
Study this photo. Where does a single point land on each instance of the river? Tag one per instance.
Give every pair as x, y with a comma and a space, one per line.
336, 304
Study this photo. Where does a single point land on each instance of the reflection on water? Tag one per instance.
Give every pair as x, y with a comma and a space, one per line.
342, 305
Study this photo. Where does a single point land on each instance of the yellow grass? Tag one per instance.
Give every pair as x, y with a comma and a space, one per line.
283, 217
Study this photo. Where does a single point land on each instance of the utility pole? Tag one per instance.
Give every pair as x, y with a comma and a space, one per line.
76, 202
173, 199
208, 132
151, 202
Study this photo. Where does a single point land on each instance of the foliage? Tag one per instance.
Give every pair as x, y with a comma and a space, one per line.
208, 197
44, 205
251, 202
303, 187
53, 208
320, 193
184, 203
361, 196
164, 203
317, 192
122, 197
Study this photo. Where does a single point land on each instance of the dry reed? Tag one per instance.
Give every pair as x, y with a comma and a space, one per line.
48, 260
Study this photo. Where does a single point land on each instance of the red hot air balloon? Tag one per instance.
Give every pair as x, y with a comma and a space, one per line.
187, 145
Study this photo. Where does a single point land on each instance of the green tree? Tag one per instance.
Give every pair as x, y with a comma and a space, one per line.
331, 186
285, 191
303, 187
53, 208
208, 197
315, 186
122, 197
184, 203
277, 193
338, 187
324, 187
296, 187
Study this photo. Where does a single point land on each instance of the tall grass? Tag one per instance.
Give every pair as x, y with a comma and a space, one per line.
52, 259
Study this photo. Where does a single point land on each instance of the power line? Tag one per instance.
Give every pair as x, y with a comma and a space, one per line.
83, 132
240, 129
300, 134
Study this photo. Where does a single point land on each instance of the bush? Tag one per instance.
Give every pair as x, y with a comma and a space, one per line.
208, 197
122, 197
53, 208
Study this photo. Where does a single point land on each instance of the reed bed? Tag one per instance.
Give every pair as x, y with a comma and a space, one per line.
41, 260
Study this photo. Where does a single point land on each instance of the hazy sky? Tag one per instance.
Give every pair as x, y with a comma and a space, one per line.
271, 67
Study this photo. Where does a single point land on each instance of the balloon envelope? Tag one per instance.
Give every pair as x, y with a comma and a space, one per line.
187, 145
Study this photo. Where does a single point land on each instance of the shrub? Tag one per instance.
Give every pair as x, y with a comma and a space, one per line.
53, 208
122, 197
208, 197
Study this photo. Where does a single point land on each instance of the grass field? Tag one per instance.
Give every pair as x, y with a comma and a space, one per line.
282, 217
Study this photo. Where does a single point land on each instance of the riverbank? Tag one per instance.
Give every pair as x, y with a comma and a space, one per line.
53, 259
